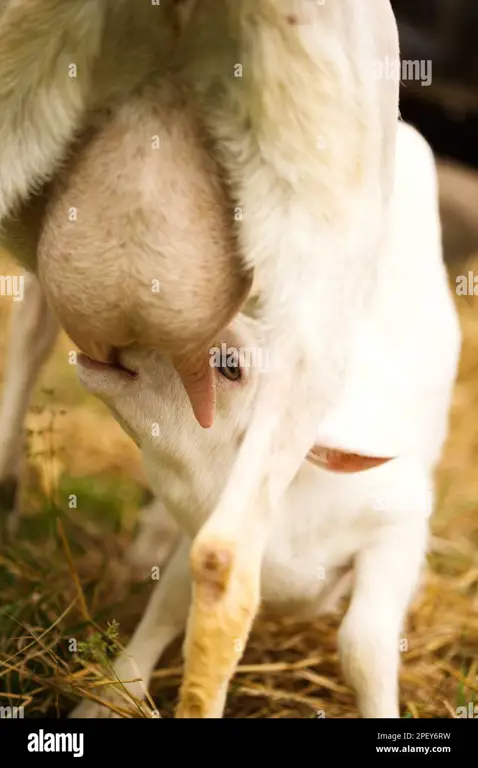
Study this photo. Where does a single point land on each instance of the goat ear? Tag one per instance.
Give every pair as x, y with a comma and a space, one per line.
336, 460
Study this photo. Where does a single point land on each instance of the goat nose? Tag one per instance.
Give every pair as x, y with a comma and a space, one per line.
197, 377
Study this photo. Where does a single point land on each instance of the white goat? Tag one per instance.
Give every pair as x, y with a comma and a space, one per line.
394, 401
307, 136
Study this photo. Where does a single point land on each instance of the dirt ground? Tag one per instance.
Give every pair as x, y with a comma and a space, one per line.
289, 669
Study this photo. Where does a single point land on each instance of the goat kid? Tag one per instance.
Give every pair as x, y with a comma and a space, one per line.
328, 525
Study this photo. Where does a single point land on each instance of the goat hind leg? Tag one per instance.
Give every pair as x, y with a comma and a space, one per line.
33, 332
386, 575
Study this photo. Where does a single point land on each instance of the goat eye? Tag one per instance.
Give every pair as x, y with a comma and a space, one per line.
232, 369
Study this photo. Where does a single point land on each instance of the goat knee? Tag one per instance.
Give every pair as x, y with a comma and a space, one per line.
211, 566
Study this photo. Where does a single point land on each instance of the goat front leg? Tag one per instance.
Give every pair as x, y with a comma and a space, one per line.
164, 620
32, 337
386, 575
226, 596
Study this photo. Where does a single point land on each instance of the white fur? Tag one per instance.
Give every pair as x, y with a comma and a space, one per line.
59, 63
395, 396
307, 136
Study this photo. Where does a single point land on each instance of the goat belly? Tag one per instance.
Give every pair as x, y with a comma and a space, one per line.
289, 589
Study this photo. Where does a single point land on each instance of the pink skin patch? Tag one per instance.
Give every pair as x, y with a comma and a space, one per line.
342, 461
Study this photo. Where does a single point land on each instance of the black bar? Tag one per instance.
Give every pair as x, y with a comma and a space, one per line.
159, 740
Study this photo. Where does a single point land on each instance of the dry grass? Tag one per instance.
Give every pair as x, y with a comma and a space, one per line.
55, 640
